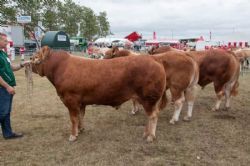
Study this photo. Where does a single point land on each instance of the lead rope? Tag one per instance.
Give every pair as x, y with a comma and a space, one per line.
29, 87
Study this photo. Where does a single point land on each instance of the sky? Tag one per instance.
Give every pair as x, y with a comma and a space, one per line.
174, 19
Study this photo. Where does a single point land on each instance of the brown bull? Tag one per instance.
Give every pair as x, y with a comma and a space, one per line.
223, 69
181, 76
243, 57
80, 82
220, 67
115, 52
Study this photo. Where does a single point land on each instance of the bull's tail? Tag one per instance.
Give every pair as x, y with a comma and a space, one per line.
235, 78
234, 90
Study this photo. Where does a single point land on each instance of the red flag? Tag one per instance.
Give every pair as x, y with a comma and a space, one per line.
154, 36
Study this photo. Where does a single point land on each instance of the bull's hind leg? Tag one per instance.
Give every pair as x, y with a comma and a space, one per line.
190, 95
228, 90
80, 117
153, 118
150, 128
178, 98
219, 93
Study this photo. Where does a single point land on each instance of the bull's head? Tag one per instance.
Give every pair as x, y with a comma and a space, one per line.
152, 50
112, 53
115, 50
41, 55
38, 58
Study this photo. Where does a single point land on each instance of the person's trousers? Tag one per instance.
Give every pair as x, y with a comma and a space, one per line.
5, 110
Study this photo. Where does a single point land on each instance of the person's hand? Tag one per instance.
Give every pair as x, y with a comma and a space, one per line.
24, 63
10, 90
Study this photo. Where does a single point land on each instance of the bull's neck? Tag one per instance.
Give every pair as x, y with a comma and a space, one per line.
53, 65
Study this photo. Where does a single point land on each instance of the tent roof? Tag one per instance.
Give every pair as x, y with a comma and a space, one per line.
162, 41
110, 40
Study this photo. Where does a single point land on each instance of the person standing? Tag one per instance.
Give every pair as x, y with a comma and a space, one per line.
7, 90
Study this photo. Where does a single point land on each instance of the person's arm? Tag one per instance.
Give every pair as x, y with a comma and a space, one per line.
9, 88
18, 67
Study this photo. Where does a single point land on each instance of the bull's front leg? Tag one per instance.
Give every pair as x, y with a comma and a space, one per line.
75, 123
136, 106
72, 102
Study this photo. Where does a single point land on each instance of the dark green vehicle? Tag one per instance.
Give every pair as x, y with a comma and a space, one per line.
80, 43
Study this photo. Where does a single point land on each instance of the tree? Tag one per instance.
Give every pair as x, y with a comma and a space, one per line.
56, 15
103, 24
69, 15
8, 13
89, 25
50, 14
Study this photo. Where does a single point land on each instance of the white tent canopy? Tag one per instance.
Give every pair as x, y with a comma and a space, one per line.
162, 41
108, 41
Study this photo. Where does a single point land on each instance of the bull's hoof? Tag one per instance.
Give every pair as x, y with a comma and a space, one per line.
187, 119
134, 112
72, 138
226, 109
151, 138
145, 135
214, 109
117, 107
172, 121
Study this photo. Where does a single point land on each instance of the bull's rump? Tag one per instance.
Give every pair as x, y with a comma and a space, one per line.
216, 65
112, 82
180, 68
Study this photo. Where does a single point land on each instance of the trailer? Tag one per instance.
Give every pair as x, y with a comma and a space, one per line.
15, 37
14, 33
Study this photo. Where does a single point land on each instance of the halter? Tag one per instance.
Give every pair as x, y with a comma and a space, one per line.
35, 65
36, 69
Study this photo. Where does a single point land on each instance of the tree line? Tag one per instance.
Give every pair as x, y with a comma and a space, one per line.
55, 15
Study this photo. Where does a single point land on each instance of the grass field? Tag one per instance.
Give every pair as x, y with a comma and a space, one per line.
114, 137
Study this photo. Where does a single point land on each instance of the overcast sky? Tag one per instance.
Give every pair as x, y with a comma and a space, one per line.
227, 20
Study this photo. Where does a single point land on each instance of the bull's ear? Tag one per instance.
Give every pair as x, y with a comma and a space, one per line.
115, 50
151, 51
45, 52
112, 50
